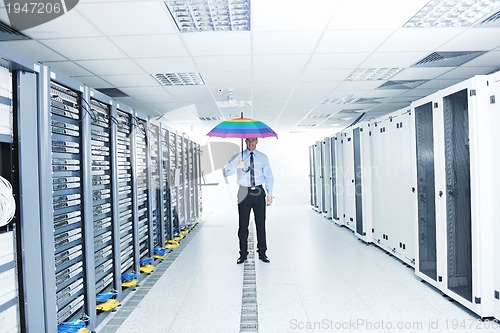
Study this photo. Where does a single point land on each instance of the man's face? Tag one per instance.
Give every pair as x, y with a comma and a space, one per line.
251, 143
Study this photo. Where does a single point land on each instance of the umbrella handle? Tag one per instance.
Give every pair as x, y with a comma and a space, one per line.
242, 149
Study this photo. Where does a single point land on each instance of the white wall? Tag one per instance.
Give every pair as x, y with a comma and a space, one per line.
289, 158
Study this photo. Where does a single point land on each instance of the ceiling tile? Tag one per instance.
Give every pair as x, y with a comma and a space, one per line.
121, 81
223, 63
69, 68
153, 46
337, 41
35, 50
332, 75
381, 14
487, 59
285, 42
393, 59
337, 60
111, 66
146, 91
279, 62
94, 82
286, 15
167, 65
129, 18
464, 73
276, 76
476, 39
427, 73
71, 24
218, 43
227, 78
414, 39
85, 48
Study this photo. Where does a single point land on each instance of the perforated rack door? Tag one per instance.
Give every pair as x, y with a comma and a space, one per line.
125, 204
153, 133
67, 201
102, 195
165, 188
174, 181
142, 189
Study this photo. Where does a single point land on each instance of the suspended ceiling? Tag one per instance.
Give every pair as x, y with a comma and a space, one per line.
304, 65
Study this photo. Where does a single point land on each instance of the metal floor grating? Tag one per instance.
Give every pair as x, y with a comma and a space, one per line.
249, 320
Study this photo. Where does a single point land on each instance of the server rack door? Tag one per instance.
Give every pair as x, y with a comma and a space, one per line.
317, 172
426, 189
358, 174
328, 179
341, 188
458, 194
349, 186
322, 176
333, 173
312, 180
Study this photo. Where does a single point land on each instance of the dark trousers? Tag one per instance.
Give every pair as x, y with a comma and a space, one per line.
247, 200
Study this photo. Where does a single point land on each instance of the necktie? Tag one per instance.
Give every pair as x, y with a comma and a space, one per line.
252, 173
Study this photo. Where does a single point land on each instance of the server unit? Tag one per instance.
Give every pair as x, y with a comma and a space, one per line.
327, 180
348, 181
463, 197
392, 182
339, 189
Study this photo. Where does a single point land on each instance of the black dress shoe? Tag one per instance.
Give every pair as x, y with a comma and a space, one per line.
264, 258
241, 260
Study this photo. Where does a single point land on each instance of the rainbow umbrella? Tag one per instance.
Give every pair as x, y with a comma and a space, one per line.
242, 128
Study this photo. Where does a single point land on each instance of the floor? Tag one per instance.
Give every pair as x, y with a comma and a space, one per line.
321, 278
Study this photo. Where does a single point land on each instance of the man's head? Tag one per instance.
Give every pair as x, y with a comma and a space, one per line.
251, 143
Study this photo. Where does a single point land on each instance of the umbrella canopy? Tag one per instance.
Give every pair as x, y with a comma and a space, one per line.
242, 128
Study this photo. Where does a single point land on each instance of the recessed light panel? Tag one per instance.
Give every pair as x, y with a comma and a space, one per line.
210, 15
179, 79
451, 13
402, 84
373, 74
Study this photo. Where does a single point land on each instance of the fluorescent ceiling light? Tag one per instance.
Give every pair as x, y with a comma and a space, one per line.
210, 15
451, 13
346, 99
179, 79
373, 74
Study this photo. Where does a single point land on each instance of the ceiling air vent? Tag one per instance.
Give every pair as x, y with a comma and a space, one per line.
448, 59
7, 33
402, 84
372, 100
112, 92
179, 79
493, 20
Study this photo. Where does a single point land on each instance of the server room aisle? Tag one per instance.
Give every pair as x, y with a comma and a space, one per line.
321, 279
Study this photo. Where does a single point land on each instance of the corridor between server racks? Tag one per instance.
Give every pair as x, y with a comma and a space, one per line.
321, 279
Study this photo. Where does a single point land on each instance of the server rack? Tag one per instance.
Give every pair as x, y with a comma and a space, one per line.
392, 182
104, 207
174, 180
319, 176
165, 190
9, 170
312, 177
154, 185
327, 181
339, 168
348, 180
334, 196
65, 213
126, 197
144, 223
198, 208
